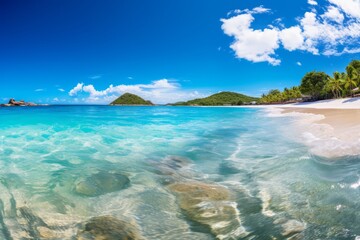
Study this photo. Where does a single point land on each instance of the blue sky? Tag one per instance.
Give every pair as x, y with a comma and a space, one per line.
66, 51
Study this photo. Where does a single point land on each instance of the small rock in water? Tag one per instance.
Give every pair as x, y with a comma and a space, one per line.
174, 169
210, 205
292, 226
171, 165
46, 233
108, 228
177, 162
101, 183
200, 191
227, 167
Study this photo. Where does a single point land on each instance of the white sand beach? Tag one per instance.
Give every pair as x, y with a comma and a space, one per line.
331, 128
343, 103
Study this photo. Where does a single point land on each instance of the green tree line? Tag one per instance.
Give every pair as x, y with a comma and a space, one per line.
219, 99
318, 85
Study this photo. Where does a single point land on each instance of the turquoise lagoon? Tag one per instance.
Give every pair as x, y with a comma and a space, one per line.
153, 167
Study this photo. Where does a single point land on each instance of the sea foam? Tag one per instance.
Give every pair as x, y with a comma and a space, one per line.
321, 138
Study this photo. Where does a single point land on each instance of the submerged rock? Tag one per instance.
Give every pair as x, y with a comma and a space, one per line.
176, 162
108, 228
292, 227
33, 226
172, 165
173, 169
210, 205
46, 233
101, 183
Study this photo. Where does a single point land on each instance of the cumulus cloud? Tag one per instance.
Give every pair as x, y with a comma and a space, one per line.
76, 89
333, 14
250, 44
160, 91
349, 7
334, 32
299, 64
291, 38
61, 89
312, 2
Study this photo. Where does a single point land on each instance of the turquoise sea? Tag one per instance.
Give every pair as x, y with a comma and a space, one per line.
100, 172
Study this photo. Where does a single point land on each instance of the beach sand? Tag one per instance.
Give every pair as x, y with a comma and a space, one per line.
330, 128
342, 103
344, 122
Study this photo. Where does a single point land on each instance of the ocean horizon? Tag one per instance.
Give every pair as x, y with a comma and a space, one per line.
169, 173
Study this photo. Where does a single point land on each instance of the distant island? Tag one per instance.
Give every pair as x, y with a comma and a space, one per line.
13, 103
220, 99
128, 99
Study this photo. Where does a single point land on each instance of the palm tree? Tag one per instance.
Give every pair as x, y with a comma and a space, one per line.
351, 77
356, 65
335, 84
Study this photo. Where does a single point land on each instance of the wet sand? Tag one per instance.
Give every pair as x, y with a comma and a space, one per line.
336, 133
345, 122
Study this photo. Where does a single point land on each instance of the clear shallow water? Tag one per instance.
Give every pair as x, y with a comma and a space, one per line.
275, 187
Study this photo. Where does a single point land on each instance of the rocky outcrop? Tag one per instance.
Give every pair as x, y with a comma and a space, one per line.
210, 205
101, 183
13, 103
292, 227
109, 228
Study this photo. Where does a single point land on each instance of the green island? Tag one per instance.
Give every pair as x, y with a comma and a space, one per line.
131, 99
220, 99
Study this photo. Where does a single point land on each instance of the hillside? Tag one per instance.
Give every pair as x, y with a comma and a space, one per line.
130, 99
218, 99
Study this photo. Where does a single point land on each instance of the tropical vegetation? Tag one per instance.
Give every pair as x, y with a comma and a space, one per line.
318, 85
130, 99
220, 99
276, 96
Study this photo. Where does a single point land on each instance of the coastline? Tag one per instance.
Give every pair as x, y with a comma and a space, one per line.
330, 128
341, 103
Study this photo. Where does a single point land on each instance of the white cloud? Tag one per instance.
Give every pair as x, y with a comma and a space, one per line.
76, 89
299, 64
312, 2
256, 10
39, 90
333, 14
61, 89
159, 91
332, 52
292, 38
250, 44
329, 33
260, 9
349, 7
351, 51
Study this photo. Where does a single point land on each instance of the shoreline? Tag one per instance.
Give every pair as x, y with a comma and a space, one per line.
328, 128
340, 103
